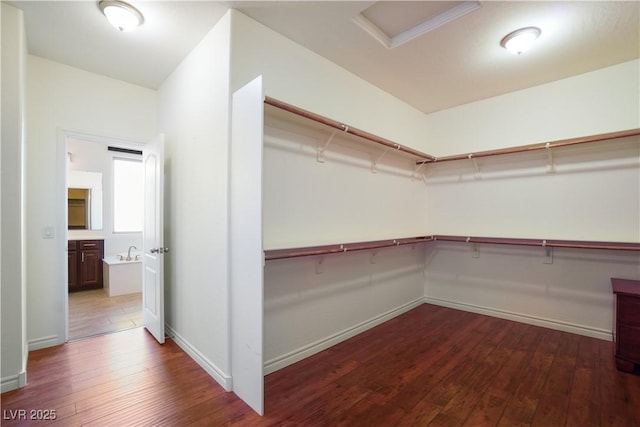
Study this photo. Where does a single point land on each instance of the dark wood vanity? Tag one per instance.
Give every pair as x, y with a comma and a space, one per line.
85, 264
627, 324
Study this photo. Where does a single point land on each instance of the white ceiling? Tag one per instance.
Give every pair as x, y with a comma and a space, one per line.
456, 63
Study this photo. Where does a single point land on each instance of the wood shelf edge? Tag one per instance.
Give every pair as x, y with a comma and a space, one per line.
274, 254
347, 129
538, 146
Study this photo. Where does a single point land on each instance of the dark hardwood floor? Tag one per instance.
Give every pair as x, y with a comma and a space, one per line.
430, 366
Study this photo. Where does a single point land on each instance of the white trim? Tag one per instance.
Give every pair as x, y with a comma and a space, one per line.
435, 22
13, 382
430, 24
216, 373
44, 342
558, 325
373, 30
310, 349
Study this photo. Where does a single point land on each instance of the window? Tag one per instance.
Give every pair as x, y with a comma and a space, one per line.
127, 195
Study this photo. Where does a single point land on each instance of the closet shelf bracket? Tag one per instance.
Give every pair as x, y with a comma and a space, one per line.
475, 165
552, 165
374, 164
475, 253
415, 171
321, 149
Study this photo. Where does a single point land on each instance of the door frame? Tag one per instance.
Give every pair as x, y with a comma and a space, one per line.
61, 226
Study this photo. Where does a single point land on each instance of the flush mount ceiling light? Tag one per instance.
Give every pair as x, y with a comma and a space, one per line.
520, 40
121, 15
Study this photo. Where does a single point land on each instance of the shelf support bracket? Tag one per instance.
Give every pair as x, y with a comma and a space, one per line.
415, 171
475, 165
322, 149
548, 253
374, 164
320, 265
475, 253
552, 165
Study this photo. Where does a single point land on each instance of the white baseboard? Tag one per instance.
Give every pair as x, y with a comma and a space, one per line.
217, 374
310, 349
588, 331
44, 342
13, 382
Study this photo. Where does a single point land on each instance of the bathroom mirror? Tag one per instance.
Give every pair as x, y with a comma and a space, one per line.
84, 200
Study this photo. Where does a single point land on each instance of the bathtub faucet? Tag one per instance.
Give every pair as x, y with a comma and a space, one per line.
129, 252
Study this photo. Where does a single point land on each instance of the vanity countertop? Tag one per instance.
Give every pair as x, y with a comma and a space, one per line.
85, 235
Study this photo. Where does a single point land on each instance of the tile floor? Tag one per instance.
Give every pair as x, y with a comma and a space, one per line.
93, 312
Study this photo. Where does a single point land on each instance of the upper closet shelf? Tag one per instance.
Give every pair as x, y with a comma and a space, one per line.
536, 147
340, 248
374, 139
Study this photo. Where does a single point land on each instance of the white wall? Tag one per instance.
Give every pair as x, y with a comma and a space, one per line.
300, 77
194, 116
62, 98
341, 200
309, 203
13, 245
600, 101
93, 156
592, 194
306, 311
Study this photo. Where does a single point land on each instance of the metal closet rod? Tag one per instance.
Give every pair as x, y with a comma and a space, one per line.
348, 129
539, 146
359, 246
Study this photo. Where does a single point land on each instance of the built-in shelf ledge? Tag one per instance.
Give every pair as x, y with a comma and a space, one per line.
340, 248
349, 129
550, 243
274, 254
540, 146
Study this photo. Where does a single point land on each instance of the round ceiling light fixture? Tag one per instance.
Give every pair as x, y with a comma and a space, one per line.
520, 40
121, 15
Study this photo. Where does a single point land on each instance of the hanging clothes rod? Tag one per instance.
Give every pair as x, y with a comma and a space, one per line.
340, 248
539, 146
348, 129
577, 244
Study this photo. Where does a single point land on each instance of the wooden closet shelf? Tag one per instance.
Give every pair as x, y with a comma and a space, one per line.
359, 246
425, 158
549, 243
348, 129
538, 146
339, 248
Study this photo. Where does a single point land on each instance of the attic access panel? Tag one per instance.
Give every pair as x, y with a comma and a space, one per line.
394, 23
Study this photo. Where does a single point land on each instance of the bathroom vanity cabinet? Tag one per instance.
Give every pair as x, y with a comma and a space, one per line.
85, 264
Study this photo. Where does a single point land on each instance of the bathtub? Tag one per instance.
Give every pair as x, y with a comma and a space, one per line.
122, 277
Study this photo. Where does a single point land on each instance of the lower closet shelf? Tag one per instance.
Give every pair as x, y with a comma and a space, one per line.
274, 254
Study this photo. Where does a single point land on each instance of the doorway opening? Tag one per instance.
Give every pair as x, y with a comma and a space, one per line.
104, 181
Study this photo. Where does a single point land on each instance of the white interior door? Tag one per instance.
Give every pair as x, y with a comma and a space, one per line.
152, 238
246, 272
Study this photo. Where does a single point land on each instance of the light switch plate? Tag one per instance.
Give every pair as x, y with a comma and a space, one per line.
48, 232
